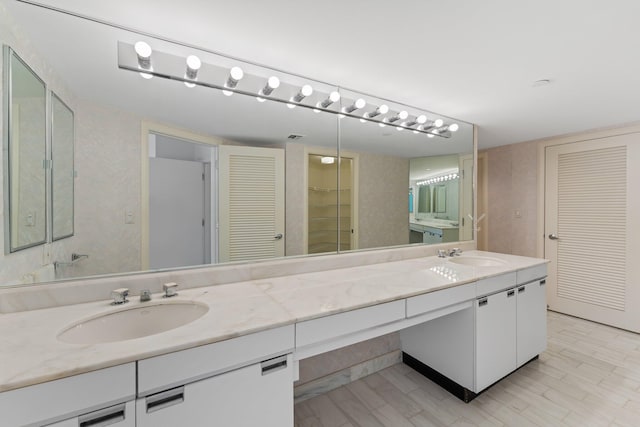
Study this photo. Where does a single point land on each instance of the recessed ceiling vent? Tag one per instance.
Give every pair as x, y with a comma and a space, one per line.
294, 136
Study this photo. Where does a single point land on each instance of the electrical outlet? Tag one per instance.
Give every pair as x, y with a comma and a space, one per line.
128, 217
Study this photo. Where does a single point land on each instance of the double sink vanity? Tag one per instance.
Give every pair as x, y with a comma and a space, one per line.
228, 354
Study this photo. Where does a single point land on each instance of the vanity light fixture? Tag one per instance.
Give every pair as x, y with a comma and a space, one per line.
441, 178
193, 65
273, 83
138, 58
357, 104
235, 75
305, 91
383, 109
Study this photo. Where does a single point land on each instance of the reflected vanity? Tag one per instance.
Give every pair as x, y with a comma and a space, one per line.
344, 179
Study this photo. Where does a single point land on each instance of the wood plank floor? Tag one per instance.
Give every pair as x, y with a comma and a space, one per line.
589, 376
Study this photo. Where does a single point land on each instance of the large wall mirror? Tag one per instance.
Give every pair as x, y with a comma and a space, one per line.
282, 175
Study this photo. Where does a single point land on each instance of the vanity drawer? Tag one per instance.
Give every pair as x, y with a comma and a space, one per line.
181, 367
329, 327
531, 273
67, 397
494, 284
439, 299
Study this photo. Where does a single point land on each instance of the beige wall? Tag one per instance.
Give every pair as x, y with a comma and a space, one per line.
512, 199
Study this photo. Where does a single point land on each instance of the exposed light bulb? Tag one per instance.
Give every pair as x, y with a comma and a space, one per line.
193, 65
383, 109
333, 97
305, 91
143, 50
146, 76
438, 123
421, 119
358, 104
235, 75
454, 127
403, 115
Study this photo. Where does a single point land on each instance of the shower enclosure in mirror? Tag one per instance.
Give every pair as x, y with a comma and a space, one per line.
357, 202
62, 169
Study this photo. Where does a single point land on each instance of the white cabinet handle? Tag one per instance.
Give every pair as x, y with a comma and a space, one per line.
273, 365
103, 417
164, 399
482, 302
521, 289
511, 293
278, 236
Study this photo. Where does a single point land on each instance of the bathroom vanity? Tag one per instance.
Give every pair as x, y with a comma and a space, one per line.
471, 320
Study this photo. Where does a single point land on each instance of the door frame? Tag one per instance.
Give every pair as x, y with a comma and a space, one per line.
320, 151
148, 127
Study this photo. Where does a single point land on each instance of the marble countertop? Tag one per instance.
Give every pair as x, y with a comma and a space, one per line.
32, 354
434, 224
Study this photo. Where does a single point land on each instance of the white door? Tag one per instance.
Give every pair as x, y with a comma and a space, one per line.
176, 213
251, 203
247, 397
495, 337
531, 321
592, 221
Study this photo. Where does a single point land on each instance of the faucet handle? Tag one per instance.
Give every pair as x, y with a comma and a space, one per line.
442, 253
119, 296
145, 295
170, 289
457, 251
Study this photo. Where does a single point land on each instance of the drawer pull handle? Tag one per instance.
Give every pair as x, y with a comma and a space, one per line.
103, 417
521, 289
274, 365
483, 302
511, 293
543, 282
165, 399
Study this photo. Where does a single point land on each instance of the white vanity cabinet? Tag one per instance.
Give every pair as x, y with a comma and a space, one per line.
242, 382
511, 325
89, 399
495, 337
260, 394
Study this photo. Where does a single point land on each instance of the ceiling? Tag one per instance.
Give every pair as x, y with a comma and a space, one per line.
476, 61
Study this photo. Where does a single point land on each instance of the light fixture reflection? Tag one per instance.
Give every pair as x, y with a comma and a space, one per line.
273, 83
235, 75
383, 109
326, 160
193, 65
357, 104
333, 97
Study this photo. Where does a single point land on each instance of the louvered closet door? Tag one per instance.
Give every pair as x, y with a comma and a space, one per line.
251, 200
591, 229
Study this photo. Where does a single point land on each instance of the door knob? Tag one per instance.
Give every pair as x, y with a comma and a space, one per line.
278, 236
553, 237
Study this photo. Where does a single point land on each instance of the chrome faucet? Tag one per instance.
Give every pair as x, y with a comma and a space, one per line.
170, 289
145, 295
119, 296
455, 252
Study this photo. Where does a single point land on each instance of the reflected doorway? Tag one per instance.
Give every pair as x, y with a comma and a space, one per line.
181, 193
330, 204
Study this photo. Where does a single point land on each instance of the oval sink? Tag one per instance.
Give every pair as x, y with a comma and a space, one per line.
477, 261
135, 322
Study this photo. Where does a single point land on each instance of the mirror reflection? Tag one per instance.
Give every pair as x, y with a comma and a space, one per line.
62, 169
262, 179
25, 140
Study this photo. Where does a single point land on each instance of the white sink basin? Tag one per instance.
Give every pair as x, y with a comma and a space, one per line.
135, 322
478, 261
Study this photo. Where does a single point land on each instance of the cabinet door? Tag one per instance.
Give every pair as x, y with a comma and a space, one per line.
122, 415
256, 395
531, 321
495, 337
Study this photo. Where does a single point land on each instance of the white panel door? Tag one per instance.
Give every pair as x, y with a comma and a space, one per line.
247, 397
251, 201
531, 321
495, 338
176, 213
592, 220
